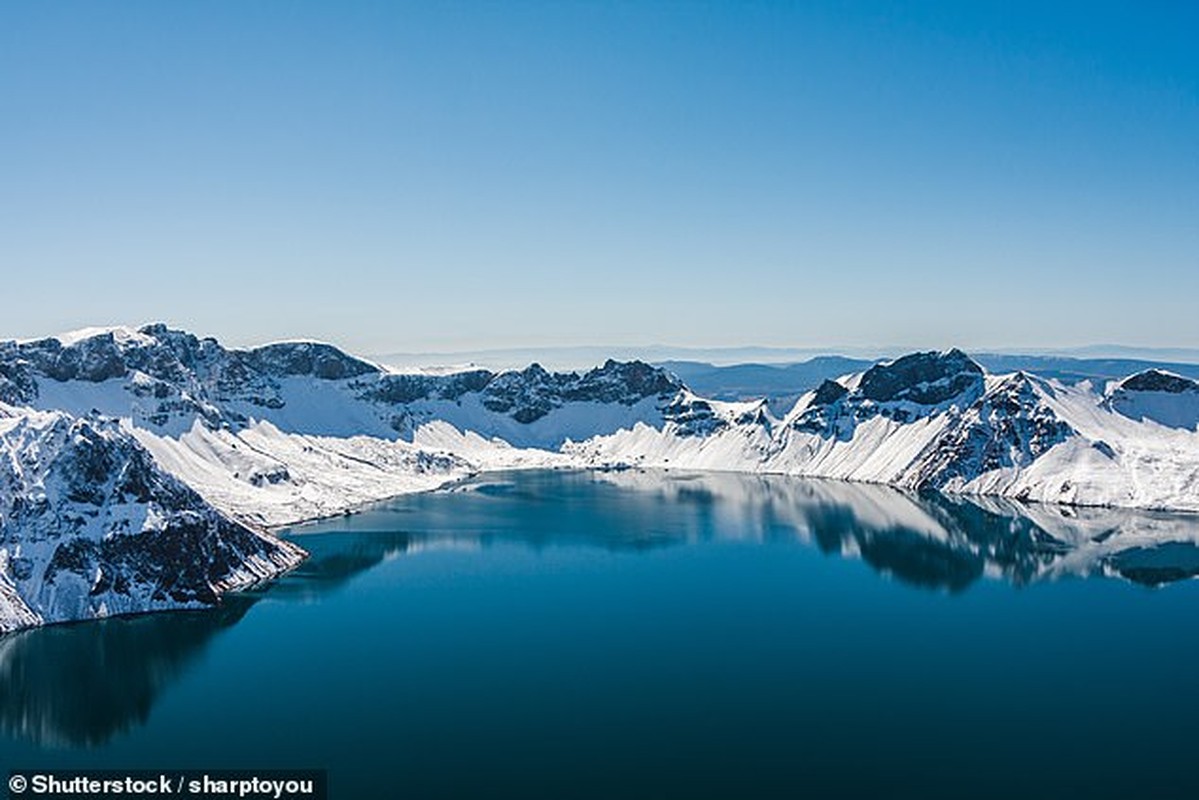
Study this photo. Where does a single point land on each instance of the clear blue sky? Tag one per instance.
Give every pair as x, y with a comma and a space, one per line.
428, 176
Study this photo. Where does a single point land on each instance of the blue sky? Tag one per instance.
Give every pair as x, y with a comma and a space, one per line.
440, 176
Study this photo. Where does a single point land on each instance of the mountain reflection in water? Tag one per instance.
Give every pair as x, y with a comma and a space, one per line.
943, 541
929, 540
80, 685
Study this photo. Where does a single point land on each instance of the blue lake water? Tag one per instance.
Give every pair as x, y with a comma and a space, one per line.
576, 634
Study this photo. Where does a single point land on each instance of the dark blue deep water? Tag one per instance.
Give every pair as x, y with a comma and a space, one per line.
629, 635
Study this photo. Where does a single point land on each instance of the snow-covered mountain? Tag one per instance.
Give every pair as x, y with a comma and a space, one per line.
292, 431
1158, 396
297, 430
91, 526
937, 421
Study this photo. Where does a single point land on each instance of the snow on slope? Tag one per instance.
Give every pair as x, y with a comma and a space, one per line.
935, 421
1158, 396
264, 475
91, 526
296, 430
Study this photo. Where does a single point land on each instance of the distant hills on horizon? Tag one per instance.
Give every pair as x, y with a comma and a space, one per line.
584, 356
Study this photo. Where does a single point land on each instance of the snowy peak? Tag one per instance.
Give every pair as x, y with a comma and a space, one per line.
121, 333
1159, 396
626, 382
909, 388
96, 358
100, 354
1008, 428
165, 354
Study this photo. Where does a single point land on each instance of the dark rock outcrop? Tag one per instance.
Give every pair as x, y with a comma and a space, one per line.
1155, 380
1010, 426
924, 378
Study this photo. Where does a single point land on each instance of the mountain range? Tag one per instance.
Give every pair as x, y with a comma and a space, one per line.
144, 468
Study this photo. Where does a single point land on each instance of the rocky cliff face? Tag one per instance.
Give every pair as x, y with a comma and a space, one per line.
530, 394
922, 379
166, 379
904, 390
90, 526
1009, 427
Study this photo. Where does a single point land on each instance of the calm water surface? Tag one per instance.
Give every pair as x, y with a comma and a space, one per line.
574, 634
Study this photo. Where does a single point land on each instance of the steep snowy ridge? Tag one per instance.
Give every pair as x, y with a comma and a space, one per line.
873, 426
91, 526
134, 460
1003, 431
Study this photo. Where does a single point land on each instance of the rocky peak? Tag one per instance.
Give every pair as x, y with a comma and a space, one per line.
823, 415
625, 382
828, 392
315, 359
96, 358
102, 355
1163, 397
920, 379
527, 395
175, 353
1156, 380
404, 389
176, 356
17, 383
693, 416
929, 378
532, 393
